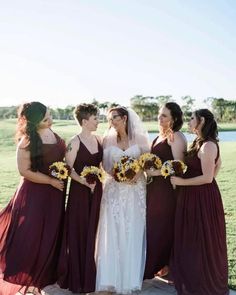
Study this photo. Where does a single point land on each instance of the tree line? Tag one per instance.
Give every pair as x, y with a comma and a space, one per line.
146, 106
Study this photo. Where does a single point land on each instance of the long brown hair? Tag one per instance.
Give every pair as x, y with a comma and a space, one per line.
29, 116
209, 131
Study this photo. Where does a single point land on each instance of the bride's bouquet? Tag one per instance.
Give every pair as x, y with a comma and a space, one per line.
59, 170
93, 174
173, 167
125, 169
149, 161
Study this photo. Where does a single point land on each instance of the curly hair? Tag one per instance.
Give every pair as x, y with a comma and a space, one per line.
209, 131
84, 111
29, 117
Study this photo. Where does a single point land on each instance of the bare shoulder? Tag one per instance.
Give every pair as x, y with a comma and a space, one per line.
22, 151
23, 143
74, 139
178, 140
73, 143
179, 136
209, 147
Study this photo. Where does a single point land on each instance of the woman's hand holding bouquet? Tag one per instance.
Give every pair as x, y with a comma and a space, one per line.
151, 164
59, 171
91, 175
173, 168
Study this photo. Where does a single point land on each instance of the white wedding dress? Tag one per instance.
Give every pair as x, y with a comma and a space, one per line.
121, 237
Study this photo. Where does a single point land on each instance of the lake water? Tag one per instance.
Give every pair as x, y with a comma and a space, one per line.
223, 136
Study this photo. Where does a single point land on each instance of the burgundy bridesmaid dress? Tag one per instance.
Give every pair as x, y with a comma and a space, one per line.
161, 204
31, 230
77, 269
199, 261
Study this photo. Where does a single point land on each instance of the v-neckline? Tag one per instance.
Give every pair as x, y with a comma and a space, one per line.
87, 148
125, 149
155, 143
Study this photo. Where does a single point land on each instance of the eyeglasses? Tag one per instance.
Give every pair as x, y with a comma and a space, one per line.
114, 117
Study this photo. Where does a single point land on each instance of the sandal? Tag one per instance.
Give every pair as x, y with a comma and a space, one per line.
163, 272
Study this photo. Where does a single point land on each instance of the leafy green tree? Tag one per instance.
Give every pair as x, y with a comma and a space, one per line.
145, 106
218, 106
95, 102
162, 99
187, 106
69, 112
224, 110
8, 112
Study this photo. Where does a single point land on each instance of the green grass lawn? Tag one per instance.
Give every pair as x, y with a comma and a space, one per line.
9, 177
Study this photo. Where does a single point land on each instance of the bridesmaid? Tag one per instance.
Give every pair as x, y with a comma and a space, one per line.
30, 225
170, 144
77, 270
200, 254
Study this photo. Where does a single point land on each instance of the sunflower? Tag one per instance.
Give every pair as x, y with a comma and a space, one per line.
158, 162
184, 167
173, 167
149, 161
125, 169
59, 170
93, 174
166, 169
63, 173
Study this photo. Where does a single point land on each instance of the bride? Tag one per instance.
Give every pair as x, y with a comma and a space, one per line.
121, 238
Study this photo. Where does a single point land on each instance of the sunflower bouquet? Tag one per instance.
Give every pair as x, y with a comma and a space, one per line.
125, 169
93, 174
149, 161
173, 167
59, 170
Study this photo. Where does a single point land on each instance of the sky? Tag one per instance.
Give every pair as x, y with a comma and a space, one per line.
64, 52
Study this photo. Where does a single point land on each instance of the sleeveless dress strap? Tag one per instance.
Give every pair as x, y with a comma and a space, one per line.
79, 143
99, 145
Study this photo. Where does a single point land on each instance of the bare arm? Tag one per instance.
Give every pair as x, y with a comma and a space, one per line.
217, 167
24, 167
207, 155
178, 146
